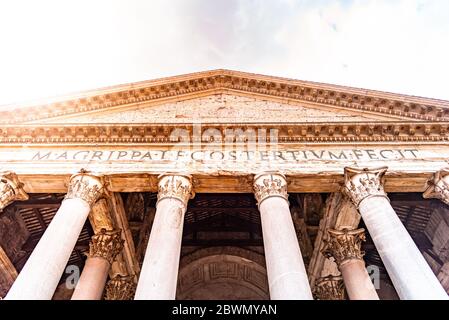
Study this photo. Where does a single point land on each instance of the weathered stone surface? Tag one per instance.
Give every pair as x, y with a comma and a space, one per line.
339, 213
229, 108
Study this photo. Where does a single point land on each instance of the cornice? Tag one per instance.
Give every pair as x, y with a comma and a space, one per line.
413, 108
287, 133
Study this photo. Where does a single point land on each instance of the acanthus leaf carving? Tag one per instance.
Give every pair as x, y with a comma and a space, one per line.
86, 187
344, 245
120, 287
330, 288
175, 186
438, 186
106, 244
270, 185
361, 184
11, 189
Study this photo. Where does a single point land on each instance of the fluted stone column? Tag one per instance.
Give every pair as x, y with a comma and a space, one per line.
345, 247
287, 276
43, 270
411, 275
11, 189
103, 249
329, 288
438, 186
120, 288
159, 274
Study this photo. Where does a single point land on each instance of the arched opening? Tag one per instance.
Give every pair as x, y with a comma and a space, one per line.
222, 274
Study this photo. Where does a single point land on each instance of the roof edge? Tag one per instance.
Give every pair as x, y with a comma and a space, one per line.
396, 104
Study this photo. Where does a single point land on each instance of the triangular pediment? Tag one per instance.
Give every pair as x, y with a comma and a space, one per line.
221, 108
226, 96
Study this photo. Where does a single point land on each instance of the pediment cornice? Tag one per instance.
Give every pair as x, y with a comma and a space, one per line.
395, 105
356, 132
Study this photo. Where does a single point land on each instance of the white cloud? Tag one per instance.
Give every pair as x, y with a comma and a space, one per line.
53, 47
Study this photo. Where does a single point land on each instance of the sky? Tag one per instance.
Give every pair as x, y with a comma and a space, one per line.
50, 48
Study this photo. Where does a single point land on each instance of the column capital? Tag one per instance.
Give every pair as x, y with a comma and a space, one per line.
120, 288
86, 187
330, 288
269, 184
344, 245
106, 244
11, 189
175, 186
438, 186
361, 184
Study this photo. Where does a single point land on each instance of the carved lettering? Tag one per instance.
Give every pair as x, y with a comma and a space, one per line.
227, 155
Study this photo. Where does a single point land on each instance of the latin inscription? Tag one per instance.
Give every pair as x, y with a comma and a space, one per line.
227, 155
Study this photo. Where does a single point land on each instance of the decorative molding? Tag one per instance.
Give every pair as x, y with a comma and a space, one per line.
344, 245
86, 187
175, 186
156, 133
120, 288
361, 184
106, 244
11, 189
268, 185
394, 105
330, 288
438, 186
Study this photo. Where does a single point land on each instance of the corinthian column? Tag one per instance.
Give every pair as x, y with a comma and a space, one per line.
329, 288
11, 189
438, 186
409, 272
43, 269
103, 249
159, 274
287, 275
345, 247
120, 288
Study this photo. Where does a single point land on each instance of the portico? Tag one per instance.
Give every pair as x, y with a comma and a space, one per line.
165, 192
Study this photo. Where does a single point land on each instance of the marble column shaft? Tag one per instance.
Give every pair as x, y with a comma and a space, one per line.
287, 276
411, 275
345, 247
103, 249
43, 270
159, 274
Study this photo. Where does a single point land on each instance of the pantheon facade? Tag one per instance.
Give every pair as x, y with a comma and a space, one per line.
225, 185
